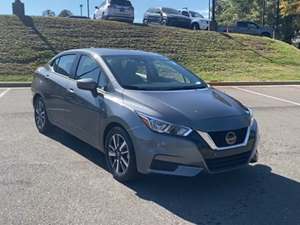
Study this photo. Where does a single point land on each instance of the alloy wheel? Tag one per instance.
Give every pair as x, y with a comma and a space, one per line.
118, 154
40, 114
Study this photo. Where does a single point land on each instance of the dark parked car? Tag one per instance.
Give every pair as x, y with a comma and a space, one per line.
248, 27
166, 16
145, 112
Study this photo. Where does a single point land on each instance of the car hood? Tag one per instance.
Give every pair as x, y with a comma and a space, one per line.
202, 109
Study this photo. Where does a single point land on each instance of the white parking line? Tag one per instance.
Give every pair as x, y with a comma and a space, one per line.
4, 92
267, 96
17, 88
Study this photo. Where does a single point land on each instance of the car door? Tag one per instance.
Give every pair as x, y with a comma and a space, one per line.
58, 78
241, 27
253, 28
87, 107
154, 16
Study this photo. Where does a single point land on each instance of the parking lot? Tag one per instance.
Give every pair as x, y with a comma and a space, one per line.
58, 179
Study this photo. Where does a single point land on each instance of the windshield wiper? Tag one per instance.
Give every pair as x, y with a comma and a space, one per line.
187, 87
164, 88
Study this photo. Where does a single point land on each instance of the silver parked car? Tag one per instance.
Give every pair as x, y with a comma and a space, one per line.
145, 112
248, 27
198, 21
118, 10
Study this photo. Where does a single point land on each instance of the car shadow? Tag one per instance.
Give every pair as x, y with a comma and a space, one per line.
253, 195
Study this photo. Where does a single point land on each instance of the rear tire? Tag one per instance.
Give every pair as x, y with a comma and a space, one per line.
40, 116
120, 156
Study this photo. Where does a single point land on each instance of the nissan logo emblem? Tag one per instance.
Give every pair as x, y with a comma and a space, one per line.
231, 138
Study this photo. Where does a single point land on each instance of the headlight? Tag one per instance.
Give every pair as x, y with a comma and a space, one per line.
164, 127
250, 112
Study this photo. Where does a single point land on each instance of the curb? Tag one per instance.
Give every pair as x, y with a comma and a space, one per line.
252, 83
15, 84
212, 83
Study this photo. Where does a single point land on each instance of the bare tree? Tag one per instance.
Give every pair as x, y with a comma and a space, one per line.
65, 13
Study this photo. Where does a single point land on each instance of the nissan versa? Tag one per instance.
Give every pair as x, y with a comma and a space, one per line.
145, 112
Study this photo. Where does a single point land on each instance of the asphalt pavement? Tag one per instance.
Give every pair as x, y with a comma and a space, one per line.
58, 179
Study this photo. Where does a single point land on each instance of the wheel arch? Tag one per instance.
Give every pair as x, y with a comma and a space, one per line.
35, 97
111, 125
195, 23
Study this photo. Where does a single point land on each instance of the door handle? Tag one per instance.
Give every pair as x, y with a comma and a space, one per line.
71, 90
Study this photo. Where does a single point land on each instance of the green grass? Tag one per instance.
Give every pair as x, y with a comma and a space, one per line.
213, 56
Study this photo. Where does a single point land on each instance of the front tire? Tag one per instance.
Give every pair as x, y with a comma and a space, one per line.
40, 116
266, 34
120, 156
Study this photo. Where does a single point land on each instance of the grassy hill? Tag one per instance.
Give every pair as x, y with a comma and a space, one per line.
215, 56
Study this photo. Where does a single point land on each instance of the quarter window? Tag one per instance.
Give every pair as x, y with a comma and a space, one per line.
88, 68
63, 65
55, 64
185, 13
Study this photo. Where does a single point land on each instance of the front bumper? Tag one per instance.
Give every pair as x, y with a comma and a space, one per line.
188, 156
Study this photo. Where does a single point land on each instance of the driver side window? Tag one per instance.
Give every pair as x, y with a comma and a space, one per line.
88, 68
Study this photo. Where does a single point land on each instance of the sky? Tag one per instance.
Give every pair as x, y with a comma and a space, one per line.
36, 7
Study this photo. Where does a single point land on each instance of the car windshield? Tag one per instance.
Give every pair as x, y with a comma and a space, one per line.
151, 73
195, 14
170, 11
120, 2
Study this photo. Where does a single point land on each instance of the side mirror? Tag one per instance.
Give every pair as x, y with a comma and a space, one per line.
87, 84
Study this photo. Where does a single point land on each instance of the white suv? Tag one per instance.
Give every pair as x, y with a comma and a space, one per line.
198, 21
119, 10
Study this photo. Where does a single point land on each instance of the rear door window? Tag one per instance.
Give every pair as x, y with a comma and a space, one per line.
64, 65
